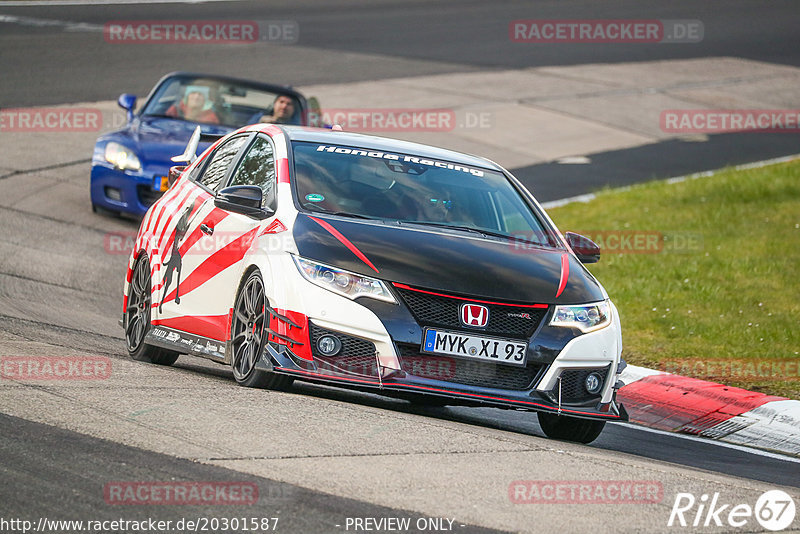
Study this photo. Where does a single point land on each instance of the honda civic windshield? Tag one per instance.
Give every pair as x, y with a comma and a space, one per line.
405, 188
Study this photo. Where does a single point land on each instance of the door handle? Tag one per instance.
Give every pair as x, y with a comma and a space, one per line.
206, 229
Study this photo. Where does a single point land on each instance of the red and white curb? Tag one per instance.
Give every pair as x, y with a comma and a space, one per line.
675, 403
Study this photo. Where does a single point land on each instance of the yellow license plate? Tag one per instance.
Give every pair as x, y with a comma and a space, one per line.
160, 183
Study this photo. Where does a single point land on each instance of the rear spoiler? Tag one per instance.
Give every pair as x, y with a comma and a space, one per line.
190, 153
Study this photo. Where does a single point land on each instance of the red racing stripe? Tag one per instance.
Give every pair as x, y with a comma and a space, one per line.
346, 242
403, 286
283, 170
680, 404
271, 129
564, 273
160, 242
213, 218
215, 264
275, 227
196, 205
213, 326
158, 219
302, 347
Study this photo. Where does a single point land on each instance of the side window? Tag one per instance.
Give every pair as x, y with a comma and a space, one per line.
258, 168
217, 168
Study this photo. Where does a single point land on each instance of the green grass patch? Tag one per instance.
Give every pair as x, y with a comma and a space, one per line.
718, 297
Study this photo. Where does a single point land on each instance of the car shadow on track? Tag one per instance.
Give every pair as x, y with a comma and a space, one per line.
519, 422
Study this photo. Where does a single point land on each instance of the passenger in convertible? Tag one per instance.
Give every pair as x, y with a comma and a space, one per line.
193, 106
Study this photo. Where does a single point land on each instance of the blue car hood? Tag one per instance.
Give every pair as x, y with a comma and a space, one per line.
157, 139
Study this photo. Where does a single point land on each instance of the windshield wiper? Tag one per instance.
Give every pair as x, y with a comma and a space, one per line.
354, 215
316, 209
460, 227
472, 229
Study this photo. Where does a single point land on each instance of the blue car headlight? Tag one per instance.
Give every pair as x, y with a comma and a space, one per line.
341, 282
584, 317
122, 157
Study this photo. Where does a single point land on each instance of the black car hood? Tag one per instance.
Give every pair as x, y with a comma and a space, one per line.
446, 261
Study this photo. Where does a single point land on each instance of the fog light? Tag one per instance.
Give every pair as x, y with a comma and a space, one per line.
329, 345
593, 383
113, 193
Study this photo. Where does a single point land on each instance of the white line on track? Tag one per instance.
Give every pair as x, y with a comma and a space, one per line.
44, 23
708, 441
591, 196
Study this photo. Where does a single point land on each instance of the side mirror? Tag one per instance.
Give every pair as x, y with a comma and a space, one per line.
174, 173
244, 199
127, 102
584, 248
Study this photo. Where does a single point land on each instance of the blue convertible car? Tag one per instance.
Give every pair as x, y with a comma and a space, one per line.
130, 166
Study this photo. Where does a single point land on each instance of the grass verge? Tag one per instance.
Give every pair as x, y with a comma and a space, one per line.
705, 273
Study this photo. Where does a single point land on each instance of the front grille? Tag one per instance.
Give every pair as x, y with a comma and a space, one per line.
356, 357
147, 195
467, 372
514, 321
573, 388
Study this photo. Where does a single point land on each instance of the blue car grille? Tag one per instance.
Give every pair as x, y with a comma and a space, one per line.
147, 195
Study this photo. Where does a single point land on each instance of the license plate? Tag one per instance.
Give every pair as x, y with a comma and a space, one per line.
160, 183
482, 348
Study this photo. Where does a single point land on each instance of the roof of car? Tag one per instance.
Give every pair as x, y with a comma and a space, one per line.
336, 137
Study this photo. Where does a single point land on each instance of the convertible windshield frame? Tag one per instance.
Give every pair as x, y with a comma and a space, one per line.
487, 188
230, 110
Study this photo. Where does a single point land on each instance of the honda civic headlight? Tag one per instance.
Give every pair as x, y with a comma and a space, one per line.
122, 157
341, 282
584, 317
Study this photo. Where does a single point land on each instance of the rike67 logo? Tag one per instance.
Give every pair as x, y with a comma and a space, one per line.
774, 510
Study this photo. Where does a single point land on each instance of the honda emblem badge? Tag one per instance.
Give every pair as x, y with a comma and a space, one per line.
474, 315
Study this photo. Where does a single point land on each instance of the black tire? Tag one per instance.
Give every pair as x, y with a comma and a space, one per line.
248, 336
568, 428
137, 317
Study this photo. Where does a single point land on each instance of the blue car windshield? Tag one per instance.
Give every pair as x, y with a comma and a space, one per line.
212, 101
404, 188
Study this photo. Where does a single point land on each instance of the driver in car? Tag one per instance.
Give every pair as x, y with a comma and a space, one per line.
282, 111
193, 106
